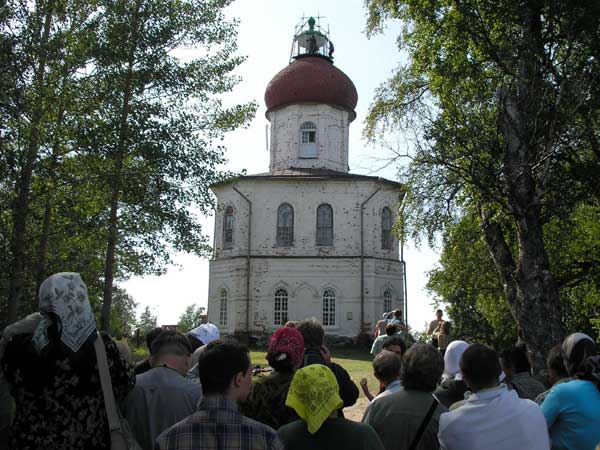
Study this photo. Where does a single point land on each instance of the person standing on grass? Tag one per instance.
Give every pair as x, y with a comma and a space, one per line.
314, 396
390, 330
53, 373
493, 417
386, 368
572, 410
163, 395
266, 402
226, 379
315, 352
409, 417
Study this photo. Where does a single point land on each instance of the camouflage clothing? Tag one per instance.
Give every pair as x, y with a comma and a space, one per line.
266, 402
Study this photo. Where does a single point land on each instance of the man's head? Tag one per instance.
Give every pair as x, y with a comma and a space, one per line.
312, 331
391, 329
386, 367
515, 360
480, 367
422, 368
151, 335
225, 369
438, 314
396, 345
171, 349
398, 314
556, 366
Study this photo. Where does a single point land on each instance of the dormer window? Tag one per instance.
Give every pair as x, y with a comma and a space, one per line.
308, 140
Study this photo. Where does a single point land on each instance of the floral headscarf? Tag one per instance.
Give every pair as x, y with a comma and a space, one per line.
314, 395
452, 357
64, 302
287, 341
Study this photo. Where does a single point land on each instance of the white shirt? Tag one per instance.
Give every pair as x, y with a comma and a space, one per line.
494, 419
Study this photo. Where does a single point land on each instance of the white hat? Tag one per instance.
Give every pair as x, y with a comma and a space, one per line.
207, 332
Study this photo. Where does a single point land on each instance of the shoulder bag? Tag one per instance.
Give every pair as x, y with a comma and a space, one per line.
121, 437
423, 426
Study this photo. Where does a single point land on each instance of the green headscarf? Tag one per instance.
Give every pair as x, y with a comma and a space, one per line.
314, 395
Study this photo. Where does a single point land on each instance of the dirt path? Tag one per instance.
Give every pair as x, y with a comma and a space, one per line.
356, 411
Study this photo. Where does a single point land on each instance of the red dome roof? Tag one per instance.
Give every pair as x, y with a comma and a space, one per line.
311, 79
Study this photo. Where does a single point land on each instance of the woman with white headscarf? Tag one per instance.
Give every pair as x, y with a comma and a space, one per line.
452, 388
54, 376
572, 409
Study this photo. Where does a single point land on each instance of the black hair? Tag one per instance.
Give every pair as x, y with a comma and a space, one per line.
439, 311
422, 368
386, 366
151, 335
171, 342
480, 366
395, 340
194, 341
312, 331
219, 362
391, 329
516, 357
555, 361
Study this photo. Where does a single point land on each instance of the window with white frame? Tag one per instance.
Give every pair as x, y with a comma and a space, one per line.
280, 316
285, 225
228, 227
308, 140
387, 301
324, 225
223, 307
329, 308
386, 229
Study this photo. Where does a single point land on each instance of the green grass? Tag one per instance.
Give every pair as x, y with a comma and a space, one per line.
357, 361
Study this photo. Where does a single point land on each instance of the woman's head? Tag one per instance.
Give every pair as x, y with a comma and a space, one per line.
452, 357
581, 358
314, 395
66, 312
286, 349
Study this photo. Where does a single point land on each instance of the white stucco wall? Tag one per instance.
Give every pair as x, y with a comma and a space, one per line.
304, 269
332, 136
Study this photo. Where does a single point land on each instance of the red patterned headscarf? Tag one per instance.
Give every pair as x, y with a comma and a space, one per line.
289, 341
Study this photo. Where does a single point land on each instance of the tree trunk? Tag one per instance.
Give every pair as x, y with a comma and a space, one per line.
23, 187
537, 305
113, 221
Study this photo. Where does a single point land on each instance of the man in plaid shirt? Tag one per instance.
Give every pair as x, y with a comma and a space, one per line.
226, 377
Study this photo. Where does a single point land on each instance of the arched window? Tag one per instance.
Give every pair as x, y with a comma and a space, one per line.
280, 316
228, 227
308, 140
329, 308
223, 307
386, 229
285, 225
387, 301
324, 225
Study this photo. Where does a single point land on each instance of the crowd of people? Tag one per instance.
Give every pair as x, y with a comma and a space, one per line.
196, 390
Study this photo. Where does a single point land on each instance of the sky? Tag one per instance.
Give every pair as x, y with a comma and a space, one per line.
265, 36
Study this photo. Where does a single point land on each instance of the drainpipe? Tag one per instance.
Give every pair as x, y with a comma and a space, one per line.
404, 294
362, 261
247, 259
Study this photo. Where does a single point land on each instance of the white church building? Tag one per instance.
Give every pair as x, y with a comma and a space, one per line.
307, 238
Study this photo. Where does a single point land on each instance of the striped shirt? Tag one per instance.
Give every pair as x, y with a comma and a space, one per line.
218, 425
